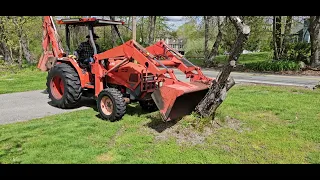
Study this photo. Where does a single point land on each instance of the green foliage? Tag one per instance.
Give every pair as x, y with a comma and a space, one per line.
189, 31
259, 33
28, 27
260, 61
299, 51
259, 39
32, 29
273, 66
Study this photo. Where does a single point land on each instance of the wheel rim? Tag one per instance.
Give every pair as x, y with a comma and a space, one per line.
106, 105
57, 87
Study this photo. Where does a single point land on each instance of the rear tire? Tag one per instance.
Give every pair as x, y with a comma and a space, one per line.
111, 104
63, 86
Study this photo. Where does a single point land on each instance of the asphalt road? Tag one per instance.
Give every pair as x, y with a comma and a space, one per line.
23, 106
262, 78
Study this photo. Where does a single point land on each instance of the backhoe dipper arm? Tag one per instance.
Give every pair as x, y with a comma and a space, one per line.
50, 36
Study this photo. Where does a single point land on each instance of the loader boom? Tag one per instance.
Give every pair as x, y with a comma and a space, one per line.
173, 58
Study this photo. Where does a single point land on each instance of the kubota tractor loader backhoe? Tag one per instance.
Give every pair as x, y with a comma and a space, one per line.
114, 78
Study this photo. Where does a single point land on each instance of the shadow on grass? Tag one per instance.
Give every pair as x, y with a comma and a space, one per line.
158, 124
131, 109
134, 109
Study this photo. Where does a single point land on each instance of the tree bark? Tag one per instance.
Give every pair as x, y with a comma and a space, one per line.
20, 54
128, 24
206, 38
215, 47
113, 33
285, 42
314, 29
274, 38
278, 35
152, 23
141, 30
4, 49
218, 90
26, 51
134, 28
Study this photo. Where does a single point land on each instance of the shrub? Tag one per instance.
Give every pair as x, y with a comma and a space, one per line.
299, 51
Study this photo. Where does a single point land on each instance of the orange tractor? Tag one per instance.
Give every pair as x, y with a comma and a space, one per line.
124, 74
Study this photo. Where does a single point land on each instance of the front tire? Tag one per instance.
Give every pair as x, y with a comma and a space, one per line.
63, 86
111, 105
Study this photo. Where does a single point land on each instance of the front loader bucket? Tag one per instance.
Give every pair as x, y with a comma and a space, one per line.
177, 100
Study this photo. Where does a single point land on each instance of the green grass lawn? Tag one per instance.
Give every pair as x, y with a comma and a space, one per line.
255, 124
243, 59
26, 79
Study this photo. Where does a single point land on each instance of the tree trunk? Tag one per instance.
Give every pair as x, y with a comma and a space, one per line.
113, 33
141, 30
279, 35
274, 35
314, 29
152, 23
11, 56
218, 90
215, 47
26, 51
4, 50
127, 22
134, 28
104, 32
285, 42
20, 54
75, 36
206, 38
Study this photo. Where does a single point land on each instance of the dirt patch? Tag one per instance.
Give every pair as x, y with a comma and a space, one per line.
189, 130
106, 157
268, 116
184, 135
233, 123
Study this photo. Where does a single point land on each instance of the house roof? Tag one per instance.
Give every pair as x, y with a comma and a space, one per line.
298, 27
175, 41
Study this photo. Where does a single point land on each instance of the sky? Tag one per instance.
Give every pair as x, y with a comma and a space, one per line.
175, 21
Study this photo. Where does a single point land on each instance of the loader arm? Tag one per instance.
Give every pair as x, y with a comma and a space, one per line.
173, 58
50, 36
131, 49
